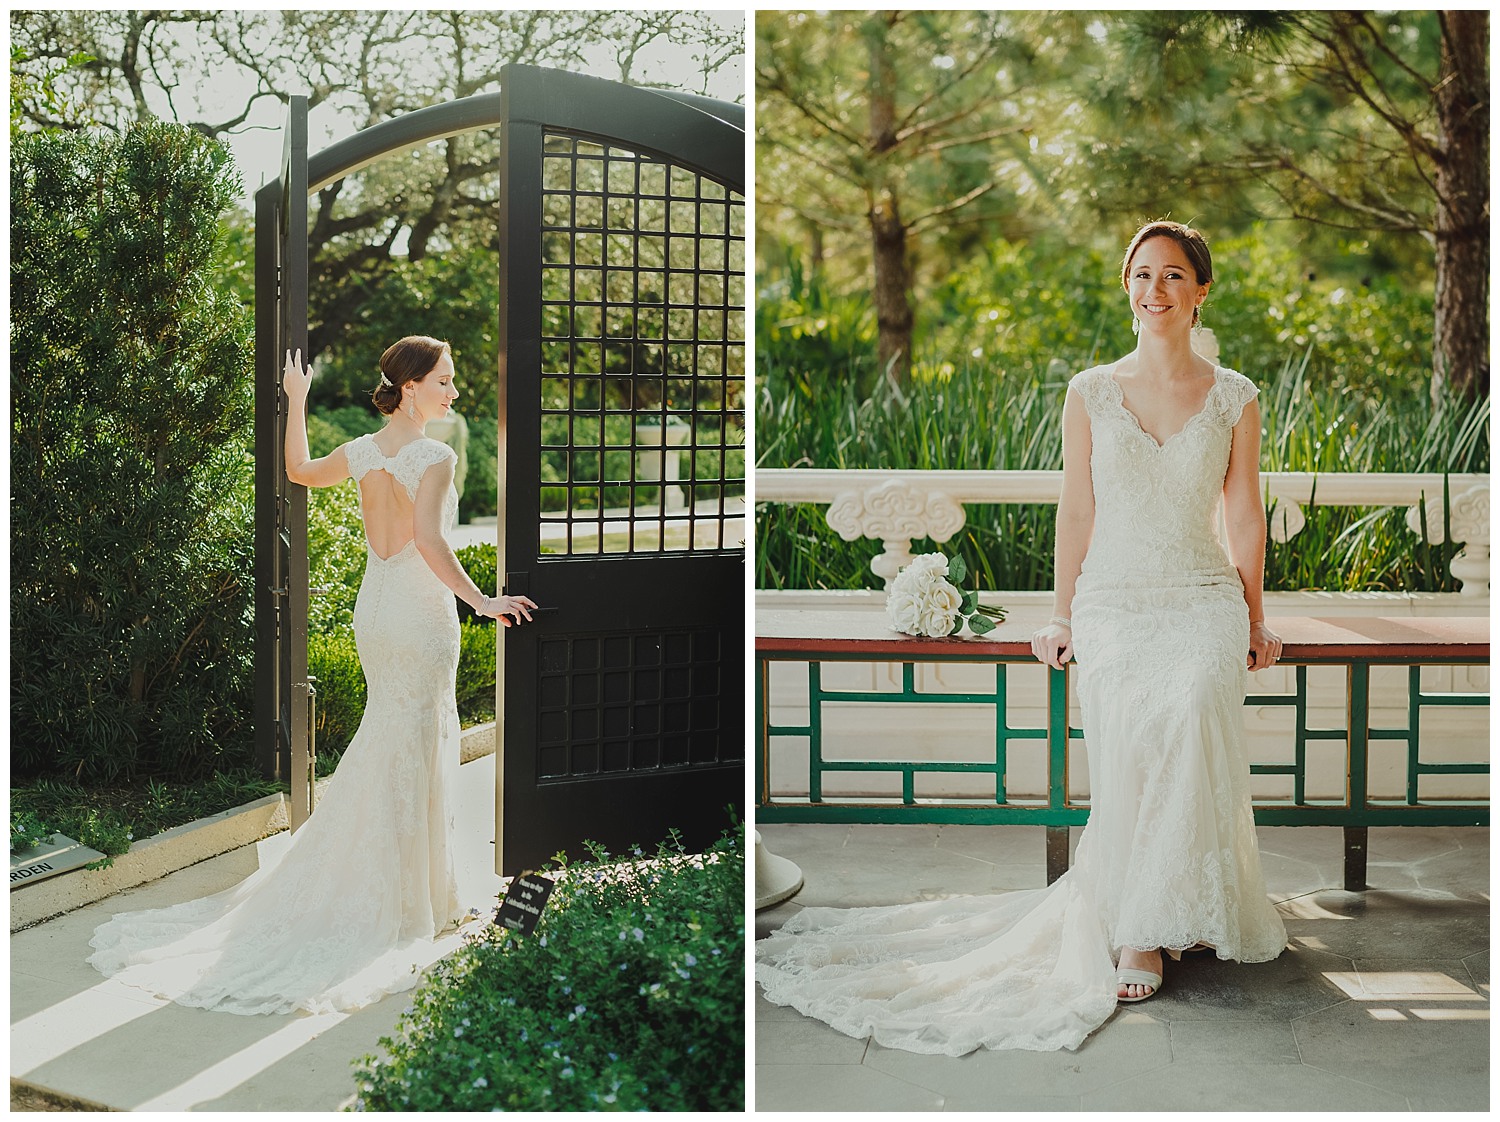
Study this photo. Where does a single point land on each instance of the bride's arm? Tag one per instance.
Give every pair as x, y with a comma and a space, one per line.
427, 531
1245, 529
300, 466
1053, 644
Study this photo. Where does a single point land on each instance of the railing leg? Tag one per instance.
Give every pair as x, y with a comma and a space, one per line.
1356, 850
1057, 852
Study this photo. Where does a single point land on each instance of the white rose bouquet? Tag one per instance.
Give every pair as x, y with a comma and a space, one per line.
925, 600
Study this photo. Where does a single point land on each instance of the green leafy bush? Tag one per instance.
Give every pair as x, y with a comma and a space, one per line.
479, 562
630, 995
109, 818
333, 663
131, 522
475, 688
27, 831
336, 553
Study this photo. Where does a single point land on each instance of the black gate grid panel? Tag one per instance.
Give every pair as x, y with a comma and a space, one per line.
643, 333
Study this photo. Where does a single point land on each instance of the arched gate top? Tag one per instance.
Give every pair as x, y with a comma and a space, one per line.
556, 98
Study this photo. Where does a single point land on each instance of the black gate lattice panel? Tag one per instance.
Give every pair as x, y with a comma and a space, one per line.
643, 353
621, 703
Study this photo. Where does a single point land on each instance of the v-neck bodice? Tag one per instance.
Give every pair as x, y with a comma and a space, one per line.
1156, 505
1120, 399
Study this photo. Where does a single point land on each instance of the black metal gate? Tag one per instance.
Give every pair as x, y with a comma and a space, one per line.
283, 692
622, 456
622, 398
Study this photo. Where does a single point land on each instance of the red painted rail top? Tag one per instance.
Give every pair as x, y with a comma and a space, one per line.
1304, 638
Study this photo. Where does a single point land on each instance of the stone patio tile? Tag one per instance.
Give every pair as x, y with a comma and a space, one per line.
1010, 1101
1377, 924
1201, 987
1410, 1047
1016, 854
770, 919
766, 1011
1474, 1097
1127, 1044
1383, 978
844, 1087
1222, 1086
134, 1062
804, 1042
320, 1074
1244, 1042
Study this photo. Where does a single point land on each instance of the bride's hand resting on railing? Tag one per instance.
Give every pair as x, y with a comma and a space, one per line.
1053, 644
504, 608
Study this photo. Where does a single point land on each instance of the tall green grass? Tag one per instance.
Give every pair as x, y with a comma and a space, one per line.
971, 417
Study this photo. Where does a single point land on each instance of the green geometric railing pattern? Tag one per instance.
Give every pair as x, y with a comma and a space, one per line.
1355, 813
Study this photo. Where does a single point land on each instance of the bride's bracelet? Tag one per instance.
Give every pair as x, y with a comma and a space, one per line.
1063, 620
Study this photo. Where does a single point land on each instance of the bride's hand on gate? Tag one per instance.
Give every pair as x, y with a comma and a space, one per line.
504, 608
295, 378
1265, 647
1053, 644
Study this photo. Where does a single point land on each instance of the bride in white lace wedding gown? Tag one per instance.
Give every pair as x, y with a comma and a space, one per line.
352, 907
1159, 618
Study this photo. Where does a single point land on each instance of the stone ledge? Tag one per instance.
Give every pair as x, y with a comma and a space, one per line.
177, 848
33, 1097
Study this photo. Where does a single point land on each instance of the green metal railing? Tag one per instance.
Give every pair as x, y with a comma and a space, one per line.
1355, 813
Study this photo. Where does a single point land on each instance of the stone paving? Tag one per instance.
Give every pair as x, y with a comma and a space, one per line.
1381, 1001
82, 1040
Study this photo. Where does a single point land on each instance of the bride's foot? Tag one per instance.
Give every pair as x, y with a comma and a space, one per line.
1132, 959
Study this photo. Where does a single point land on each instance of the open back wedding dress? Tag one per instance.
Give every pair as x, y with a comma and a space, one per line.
351, 909
1168, 858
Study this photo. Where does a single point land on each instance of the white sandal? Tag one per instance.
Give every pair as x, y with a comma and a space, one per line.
1126, 976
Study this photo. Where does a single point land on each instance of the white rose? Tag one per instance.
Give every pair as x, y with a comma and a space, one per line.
901, 609
927, 567
920, 601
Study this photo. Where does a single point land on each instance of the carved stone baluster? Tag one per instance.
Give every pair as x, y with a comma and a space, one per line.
895, 512
1286, 519
1469, 520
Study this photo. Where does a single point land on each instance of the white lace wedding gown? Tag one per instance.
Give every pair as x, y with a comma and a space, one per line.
1169, 856
352, 907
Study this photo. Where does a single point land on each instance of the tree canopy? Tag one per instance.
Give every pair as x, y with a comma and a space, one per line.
896, 143
212, 70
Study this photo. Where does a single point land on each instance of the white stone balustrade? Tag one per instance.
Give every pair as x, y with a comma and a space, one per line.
895, 507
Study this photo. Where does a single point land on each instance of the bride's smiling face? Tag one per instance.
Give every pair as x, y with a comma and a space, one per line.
435, 393
1163, 286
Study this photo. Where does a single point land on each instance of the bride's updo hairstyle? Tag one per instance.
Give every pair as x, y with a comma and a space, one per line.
406, 360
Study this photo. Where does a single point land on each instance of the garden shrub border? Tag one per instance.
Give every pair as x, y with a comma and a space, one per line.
628, 996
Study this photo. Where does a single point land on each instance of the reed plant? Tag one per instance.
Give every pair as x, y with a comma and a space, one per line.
977, 417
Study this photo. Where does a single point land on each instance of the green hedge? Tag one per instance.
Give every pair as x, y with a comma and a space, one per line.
131, 517
630, 995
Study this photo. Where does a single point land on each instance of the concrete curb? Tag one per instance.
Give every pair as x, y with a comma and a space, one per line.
177, 848
33, 1097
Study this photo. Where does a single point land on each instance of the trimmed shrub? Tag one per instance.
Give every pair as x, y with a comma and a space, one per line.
131, 525
630, 995
333, 663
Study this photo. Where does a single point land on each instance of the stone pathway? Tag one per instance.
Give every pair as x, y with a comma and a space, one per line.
80, 1041
1381, 1001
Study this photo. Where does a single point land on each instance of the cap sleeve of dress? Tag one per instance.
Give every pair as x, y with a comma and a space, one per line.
417, 458
1234, 391
1091, 386
362, 455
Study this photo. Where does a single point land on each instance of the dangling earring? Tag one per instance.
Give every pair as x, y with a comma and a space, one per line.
1135, 325
1197, 318
411, 409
